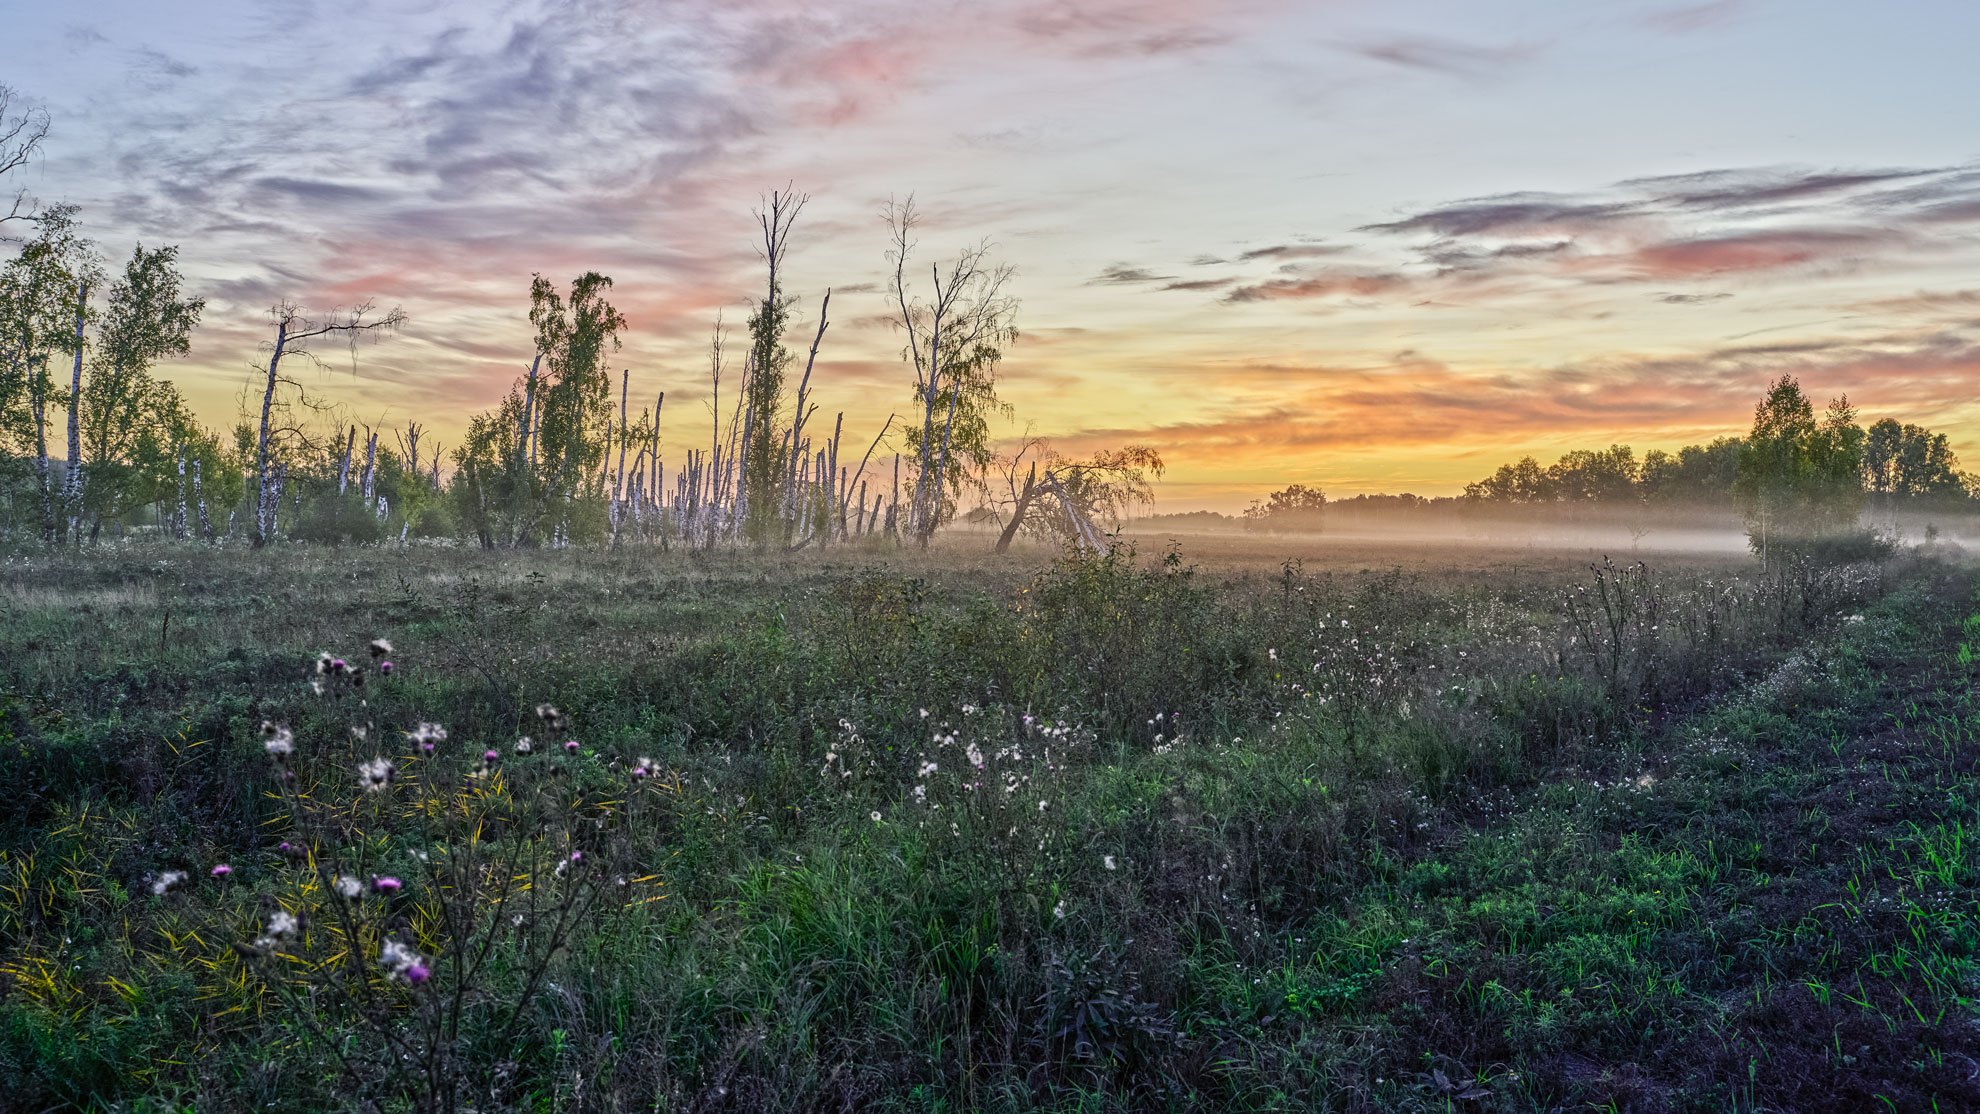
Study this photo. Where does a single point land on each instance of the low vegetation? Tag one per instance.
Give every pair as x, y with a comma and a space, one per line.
907, 832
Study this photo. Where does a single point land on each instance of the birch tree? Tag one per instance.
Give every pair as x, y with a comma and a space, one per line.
956, 335
43, 312
128, 420
523, 467
295, 335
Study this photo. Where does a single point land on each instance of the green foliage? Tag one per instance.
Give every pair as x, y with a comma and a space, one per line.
1162, 839
332, 519
1298, 507
531, 469
1797, 477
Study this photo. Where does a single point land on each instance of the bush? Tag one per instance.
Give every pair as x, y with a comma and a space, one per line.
1845, 547
337, 519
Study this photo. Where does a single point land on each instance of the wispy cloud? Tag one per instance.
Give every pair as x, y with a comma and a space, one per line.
1121, 274
1449, 57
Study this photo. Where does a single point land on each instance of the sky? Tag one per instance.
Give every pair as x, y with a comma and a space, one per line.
1367, 245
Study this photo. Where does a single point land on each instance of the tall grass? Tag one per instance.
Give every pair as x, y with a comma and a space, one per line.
1105, 834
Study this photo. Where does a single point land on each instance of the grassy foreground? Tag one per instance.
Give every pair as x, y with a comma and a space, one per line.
1105, 834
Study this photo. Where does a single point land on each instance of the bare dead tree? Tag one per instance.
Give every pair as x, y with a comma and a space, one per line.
293, 333
409, 447
954, 340
22, 130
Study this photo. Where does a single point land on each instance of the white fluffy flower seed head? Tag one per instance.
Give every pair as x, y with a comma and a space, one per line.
375, 775
398, 958
348, 886
167, 880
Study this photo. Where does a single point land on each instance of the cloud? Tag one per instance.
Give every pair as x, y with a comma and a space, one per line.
1320, 286
1288, 251
317, 192
1415, 402
1200, 284
1447, 56
1124, 27
1524, 214
1755, 251
1684, 19
1693, 299
1746, 188
1121, 274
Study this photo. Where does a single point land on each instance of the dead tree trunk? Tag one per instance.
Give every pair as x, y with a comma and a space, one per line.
265, 499
72, 477
1018, 511
344, 466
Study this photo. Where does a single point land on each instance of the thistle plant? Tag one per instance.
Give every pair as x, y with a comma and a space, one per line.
424, 890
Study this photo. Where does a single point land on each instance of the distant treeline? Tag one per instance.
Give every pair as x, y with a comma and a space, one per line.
1791, 473
1897, 464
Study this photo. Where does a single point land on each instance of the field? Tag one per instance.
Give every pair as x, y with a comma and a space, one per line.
1247, 824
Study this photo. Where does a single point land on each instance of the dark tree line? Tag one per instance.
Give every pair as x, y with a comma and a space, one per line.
1792, 461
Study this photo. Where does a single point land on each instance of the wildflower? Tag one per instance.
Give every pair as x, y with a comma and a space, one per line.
1107, 861
644, 768
490, 757
338, 665
927, 768
376, 775
348, 886
316, 687
974, 754
523, 745
1059, 910
386, 885
924, 713
323, 663
570, 746
418, 973
167, 880
358, 733
277, 740
222, 870
401, 961
1042, 804
876, 817
380, 647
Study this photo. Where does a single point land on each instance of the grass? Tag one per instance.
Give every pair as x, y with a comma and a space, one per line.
877, 831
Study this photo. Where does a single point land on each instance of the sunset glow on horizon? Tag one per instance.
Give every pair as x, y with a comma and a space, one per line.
1370, 247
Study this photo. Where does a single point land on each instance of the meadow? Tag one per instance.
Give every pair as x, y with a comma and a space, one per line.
1208, 827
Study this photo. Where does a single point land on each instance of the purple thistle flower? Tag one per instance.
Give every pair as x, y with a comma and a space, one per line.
571, 746
489, 757
386, 885
418, 973
222, 870
385, 668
